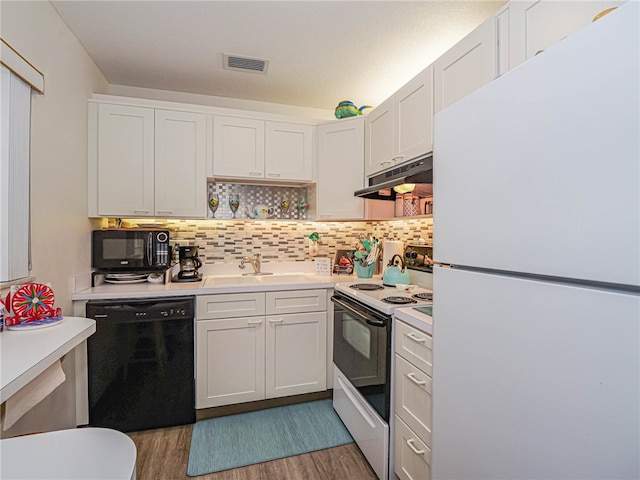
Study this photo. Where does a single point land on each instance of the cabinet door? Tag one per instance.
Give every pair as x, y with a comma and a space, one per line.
413, 107
229, 361
289, 151
378, 138
466, 66
340, 169
125, 161
238, 147
180, 177
296, 354
536, 25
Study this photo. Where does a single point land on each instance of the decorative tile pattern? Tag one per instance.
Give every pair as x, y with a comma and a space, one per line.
280, 240
251, 195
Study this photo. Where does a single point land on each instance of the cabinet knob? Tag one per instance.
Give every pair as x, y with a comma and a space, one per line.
273, 174
255, 174
141, 211
165, 212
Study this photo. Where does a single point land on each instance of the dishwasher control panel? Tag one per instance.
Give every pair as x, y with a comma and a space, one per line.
142, 308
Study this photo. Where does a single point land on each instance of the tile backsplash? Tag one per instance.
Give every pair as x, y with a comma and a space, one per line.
285, 201
281, 240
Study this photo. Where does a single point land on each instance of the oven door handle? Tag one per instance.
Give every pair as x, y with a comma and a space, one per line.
358, 314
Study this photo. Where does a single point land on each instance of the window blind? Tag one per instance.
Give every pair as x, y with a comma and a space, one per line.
15, 107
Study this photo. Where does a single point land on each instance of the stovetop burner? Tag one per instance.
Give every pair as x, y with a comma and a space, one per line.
428, 296
399, 300
366, 286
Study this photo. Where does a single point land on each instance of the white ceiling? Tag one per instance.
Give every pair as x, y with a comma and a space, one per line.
320, 52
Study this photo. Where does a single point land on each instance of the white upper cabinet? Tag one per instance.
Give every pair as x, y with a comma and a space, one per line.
125, 161
465, 67
340, 169
145, 162
180, 182
238, 147
289, 151
413, 108
535, 25
401, 128
252, 148
378, 147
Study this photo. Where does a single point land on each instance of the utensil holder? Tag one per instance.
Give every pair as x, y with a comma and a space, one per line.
365, 272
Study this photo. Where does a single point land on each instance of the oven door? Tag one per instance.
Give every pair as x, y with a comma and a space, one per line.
362, 350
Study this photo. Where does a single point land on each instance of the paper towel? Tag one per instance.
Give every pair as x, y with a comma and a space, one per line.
32, 393
389, 249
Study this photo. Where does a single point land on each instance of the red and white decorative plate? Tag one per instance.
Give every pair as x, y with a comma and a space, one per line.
32, 300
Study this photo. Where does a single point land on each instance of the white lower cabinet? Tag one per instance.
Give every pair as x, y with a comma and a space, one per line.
247, 350
412, 456
412, 402
230, 361
296, 353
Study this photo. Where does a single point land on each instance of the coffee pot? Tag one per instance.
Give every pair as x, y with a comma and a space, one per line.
189, 264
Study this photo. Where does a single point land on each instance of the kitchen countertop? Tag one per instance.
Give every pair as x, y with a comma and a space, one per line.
415, 318
221, 284
26, 354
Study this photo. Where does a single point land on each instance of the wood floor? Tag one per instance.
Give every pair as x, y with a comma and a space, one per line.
163, 454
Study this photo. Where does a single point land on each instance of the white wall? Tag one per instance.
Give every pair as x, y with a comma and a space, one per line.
224, 102
60, 228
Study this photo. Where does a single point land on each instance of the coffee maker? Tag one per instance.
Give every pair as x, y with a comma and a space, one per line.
189, 264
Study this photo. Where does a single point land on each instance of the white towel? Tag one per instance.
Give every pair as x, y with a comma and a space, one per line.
32, 393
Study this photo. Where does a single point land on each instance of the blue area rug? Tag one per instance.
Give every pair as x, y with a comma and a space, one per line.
239, 440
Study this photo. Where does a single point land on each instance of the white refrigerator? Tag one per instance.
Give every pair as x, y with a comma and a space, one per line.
537, 304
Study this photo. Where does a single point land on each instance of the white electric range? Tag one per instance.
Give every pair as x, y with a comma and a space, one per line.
362, 346
385, 299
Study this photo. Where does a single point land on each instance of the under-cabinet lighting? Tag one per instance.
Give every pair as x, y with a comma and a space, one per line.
405, 188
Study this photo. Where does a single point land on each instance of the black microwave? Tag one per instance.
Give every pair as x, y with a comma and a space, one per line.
130, 249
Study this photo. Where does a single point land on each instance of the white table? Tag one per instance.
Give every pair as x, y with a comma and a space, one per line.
76, 454
26, 354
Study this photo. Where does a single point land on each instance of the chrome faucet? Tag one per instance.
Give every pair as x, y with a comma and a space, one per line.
255, 263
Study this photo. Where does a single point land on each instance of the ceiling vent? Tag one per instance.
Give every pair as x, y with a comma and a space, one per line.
244, 64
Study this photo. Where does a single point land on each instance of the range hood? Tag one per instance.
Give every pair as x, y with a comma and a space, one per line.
381, 185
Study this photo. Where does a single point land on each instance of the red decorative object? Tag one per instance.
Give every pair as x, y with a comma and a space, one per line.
32, 300
33, 303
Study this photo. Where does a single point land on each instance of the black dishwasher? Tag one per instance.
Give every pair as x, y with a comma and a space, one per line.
141, 363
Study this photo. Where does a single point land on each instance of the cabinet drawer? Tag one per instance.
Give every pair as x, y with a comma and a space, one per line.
415, 346
413, 398
412, 459
296, 302
231, 305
